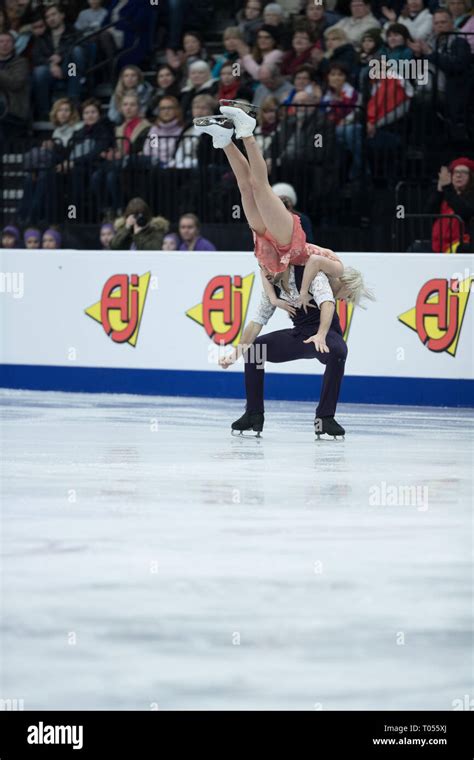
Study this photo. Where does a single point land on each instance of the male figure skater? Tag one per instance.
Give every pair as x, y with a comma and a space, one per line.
316, 334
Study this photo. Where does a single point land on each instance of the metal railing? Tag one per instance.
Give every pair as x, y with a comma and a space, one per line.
415, 233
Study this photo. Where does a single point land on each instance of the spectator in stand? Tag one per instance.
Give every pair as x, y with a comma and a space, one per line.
389, 103
171, 242
138, 230
10, 237
397, 47
415, 16
271, 83
300, 53
250, 20
265, 52
91, 19
449, 57
186, 156
460, 11
267, 122
454, 195
231, 36
133, 20
107, 233
41, 190
371, 48
342, 98
338, 48
302, 82
231, 87
52, 239
274, 15
65, 118
294, 141
90, 146
32, 238
37, 28
193, 50
52, 56
294, 151
131, 80
162, 138
360, 20
288, 195
201, 83
14, 90
318, 19
189, 230
167, 81
130, 137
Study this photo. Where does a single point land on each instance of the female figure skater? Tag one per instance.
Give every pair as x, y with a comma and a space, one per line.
278, 236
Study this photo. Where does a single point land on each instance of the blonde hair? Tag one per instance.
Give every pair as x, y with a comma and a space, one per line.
120, 89
357, 290
269, 102
336, 34
53, 116
232, 32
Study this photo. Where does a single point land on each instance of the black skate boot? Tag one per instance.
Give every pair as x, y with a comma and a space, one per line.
326, 429
250, 421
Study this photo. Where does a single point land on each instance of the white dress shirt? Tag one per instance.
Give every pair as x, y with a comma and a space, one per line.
320, 289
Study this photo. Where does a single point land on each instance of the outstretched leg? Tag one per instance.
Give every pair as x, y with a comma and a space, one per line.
276, 217
241, 169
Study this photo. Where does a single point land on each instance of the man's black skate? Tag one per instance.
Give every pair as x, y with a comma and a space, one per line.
250, 421
326, 429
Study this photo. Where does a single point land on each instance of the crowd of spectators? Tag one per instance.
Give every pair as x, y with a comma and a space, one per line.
306, 65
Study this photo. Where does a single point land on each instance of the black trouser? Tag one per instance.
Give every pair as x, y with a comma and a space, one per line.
286, 346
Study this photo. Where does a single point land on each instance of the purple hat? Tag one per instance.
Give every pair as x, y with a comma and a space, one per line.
32, 232
172, 236
107, 226
55, 235
11, 230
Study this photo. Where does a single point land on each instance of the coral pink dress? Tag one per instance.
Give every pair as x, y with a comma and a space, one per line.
276, 258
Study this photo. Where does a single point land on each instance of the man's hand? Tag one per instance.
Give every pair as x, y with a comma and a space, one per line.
227, 360
130, 221
55, 58
319, 341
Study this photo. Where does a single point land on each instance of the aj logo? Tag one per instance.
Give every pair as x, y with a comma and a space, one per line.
345, 312
120, 308
224, 307
438, 314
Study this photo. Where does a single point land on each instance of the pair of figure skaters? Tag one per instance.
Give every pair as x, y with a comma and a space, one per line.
303, 279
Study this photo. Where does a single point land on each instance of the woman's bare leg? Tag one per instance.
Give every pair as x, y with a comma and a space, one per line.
241, 169
275, 216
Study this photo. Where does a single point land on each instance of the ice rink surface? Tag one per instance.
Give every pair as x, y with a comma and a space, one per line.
149, 559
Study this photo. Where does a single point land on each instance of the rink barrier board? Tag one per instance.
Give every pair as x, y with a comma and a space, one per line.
411, 391
413, 345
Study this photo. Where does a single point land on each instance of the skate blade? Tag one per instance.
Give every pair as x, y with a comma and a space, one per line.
246, 434
248, 108
327, 437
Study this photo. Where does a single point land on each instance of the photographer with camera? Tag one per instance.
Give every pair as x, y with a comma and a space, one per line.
137, 230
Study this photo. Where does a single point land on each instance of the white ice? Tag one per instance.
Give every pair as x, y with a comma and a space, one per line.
151, 560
